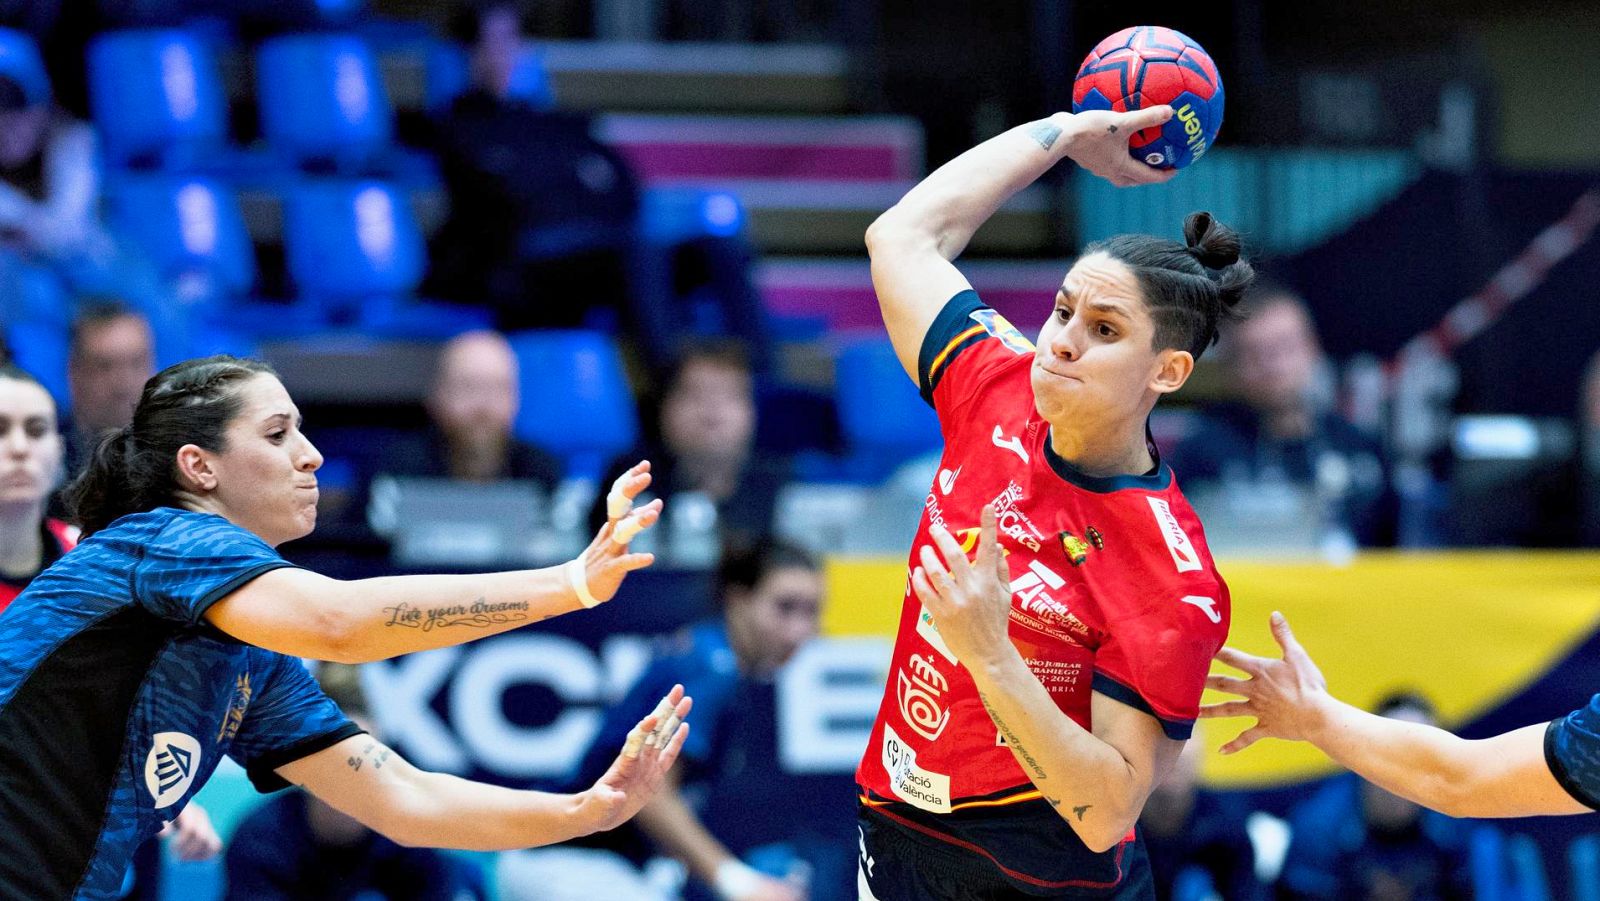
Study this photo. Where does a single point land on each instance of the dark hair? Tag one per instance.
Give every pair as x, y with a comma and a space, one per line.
134, 469
746, 561
1189, 288
1405, 699
466, 22
10, 370
724, 353
95, 313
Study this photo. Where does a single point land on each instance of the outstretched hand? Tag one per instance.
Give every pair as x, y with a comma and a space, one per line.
970, 601
637, 773
1288, 697
607, 561
1098, 142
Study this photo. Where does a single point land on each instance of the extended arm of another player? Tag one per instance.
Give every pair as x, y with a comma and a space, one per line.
1503, 776
301, 613
912, 244
1097, 781
364, 779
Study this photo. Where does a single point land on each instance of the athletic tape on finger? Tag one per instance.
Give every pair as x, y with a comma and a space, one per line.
666, 730
634, 744
617, 501
627, 530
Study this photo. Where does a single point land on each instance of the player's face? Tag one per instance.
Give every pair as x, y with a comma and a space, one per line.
30, 445
266, 477
770, 623
1094, 361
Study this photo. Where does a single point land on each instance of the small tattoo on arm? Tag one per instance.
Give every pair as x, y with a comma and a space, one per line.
480, 614
1012, 740
355, 761
1045, 132
1080, 811
1112, 128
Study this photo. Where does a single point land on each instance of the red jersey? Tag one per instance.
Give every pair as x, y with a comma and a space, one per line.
1113, 590
59, 538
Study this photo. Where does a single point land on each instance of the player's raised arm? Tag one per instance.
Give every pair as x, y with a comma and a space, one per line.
298, 612
364, 779
1509, 775
913, 243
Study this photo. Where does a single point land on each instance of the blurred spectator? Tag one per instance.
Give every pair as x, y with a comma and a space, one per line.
1354, 841
717, 815
541, 214
1196, 839
298, 848
471, 406
1283, 453
702, 454
30, 467
111, 355
1589, 441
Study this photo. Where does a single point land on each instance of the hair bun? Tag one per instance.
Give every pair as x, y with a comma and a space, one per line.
1215, 245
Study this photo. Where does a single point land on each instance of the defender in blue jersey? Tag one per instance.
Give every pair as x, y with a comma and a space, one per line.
1541, 769
160, 644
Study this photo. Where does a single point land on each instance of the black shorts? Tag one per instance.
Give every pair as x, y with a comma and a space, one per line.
900, 864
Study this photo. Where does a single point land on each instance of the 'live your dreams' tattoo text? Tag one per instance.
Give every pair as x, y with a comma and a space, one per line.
477, 615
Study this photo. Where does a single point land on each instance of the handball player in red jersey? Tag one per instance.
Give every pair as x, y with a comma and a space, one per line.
1061, 607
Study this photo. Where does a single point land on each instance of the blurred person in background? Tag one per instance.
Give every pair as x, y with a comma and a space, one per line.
1196, 839
471, 407
702, 449
541, 214
1354, 840
1282, 446
1589, 441
49, 178
110, 355
719, 814
298, 848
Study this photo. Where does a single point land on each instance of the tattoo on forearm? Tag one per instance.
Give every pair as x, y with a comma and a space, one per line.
1045, 132
1081, 810
479, 614
1012, 740
1112, 128
381, 757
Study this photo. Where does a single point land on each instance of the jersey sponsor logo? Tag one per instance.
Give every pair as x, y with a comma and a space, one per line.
920, 694
999, 327
1183, 553
171, 766
947, 480
1013, 445
930, 633
1011, 522
236, 708
1207, 605
911, 783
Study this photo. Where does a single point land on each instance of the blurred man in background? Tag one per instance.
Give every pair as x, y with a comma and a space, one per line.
1353, 841
1196, 839
1282, 453
110, 356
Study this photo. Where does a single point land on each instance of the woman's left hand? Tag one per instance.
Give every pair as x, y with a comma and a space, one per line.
970, 601
193, 836
607, 560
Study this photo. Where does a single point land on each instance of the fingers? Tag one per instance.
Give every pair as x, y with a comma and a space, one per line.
669, 754
1239, 660
1285, 636
636, 522
955, 559
1246, 738
627, 487
925, 592
988, 540
1229, 684
1148, 117
1226, 709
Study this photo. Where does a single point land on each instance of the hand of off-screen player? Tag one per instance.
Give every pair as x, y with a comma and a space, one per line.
597, 573
1288, 697
970, 601
1097, 140
637, 773
193, 836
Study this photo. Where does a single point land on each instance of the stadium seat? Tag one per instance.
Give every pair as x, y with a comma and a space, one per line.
40, 349
323, 104
884, 420
20, 61
189, 227
356, 254
576, 401
675, 215
157, 98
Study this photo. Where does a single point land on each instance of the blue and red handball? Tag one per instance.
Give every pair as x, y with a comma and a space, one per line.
1148, 65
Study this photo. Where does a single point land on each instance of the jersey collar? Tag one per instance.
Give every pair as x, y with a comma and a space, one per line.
1157, 479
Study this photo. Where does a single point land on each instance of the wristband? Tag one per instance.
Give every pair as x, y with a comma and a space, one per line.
735, 879
578, 578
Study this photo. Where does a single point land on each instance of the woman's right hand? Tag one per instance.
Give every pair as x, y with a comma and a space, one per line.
1097, 140
606, 562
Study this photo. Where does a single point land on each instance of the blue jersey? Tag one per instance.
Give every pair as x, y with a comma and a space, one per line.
1572, 748
117, 700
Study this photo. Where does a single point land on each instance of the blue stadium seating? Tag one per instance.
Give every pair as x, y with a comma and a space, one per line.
20, 61
322, 101
447, 73
674, 215
356, 254
185, 225
882, 417
40, 349
157, 98
576, 402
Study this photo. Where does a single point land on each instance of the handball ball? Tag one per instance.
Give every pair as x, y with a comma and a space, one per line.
1148, 65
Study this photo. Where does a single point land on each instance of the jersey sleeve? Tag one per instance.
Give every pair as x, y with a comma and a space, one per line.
1572, 749
196, 561
1157, 663
967, 344
288, 717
